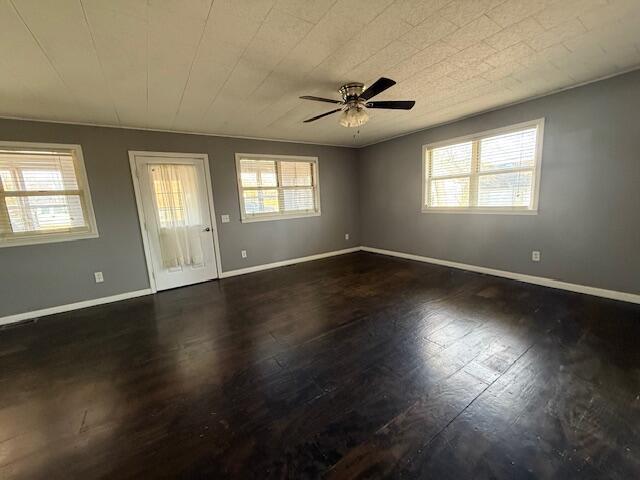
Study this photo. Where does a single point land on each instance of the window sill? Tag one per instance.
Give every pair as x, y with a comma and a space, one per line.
277, 217
47, 238
482, 211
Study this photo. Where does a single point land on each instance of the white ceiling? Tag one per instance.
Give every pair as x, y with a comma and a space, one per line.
237, 67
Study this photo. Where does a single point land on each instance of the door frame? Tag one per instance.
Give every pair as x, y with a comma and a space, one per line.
141, 218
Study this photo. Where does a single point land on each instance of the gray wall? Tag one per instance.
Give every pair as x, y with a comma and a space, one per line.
588, 226
41, 276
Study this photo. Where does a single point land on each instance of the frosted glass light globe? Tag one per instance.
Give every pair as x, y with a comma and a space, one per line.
355, 116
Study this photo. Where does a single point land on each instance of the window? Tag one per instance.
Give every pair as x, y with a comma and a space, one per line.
44, 195
491, 172
272, 187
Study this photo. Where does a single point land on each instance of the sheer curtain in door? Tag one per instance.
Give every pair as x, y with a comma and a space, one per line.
175, 192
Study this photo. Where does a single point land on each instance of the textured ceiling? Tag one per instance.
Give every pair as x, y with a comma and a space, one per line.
237, 67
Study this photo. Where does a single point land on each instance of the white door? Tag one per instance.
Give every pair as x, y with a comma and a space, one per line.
174, 197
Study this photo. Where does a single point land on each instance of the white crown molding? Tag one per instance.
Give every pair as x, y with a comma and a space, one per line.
501, 107
521, 277
178, 132
303, 142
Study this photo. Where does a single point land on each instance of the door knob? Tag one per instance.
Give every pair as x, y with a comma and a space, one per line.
206, 229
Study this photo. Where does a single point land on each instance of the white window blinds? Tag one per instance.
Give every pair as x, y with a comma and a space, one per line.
494, 171
43, 195
272, 187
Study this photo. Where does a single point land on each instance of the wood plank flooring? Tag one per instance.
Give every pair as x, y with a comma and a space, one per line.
358, 366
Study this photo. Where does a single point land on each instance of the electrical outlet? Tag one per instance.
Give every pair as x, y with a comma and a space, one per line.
224, 218
346, 236
99, 277
243, 253
535, 256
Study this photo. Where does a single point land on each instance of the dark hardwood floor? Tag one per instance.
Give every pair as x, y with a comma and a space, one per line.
359, 366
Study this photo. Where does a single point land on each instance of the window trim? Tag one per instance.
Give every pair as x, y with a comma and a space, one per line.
83, 181
244, 218
537, 168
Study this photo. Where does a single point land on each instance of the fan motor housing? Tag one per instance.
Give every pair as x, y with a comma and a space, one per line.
351, 91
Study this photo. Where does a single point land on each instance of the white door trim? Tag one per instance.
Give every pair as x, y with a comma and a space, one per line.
141, 218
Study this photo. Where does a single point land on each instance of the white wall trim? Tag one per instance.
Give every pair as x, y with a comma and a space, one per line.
521, 277
38, 238
281, 215
531, 209
19, 317
137, 189
308, 142
178, 132
502, 107
284, 263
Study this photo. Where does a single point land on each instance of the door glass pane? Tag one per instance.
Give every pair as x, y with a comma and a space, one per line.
179, 214
452, 192
505, 190
176, 195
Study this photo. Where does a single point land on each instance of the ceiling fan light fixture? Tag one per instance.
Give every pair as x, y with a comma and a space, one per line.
354, 116
356, 100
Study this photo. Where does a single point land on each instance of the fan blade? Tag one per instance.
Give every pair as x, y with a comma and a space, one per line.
393, 104
313, 119
320, 99
377, 87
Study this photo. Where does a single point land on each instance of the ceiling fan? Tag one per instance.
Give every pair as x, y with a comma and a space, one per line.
355, 102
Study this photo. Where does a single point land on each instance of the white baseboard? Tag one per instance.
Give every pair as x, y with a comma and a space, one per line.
283, 263
19, 317
521, 277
